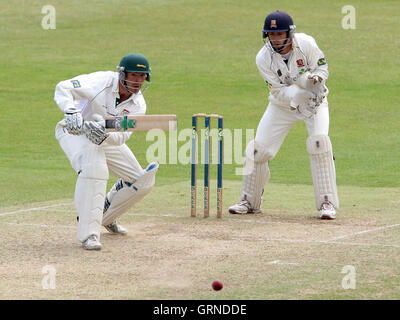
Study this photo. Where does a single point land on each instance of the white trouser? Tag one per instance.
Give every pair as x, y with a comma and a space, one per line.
277, 121
117, 159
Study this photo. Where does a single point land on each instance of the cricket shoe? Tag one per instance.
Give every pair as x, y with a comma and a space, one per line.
91, 243
243, 207
328, 211
116, 228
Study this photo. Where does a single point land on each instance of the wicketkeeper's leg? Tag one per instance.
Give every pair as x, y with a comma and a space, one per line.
323, 171
256, 174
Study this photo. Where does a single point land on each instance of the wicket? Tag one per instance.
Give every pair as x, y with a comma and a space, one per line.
206, 163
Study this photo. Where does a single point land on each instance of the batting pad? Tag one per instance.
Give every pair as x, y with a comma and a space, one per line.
90, 191
89, 202
319, 148
124, 195
256, 167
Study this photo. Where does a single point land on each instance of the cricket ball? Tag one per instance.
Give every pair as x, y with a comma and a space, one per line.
217, 285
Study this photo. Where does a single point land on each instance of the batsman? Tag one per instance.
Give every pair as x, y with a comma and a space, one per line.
93, 152
295, 71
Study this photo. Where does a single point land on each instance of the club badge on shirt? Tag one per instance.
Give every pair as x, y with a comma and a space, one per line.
300, 63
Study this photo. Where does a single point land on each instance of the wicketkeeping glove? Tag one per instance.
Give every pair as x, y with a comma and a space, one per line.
305, 103
95, 132
315, 84
317, 87
73, 121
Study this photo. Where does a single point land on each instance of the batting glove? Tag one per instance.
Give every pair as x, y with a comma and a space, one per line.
95, 132
73, 121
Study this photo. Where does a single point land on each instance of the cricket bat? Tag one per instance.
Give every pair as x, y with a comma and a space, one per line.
166, 122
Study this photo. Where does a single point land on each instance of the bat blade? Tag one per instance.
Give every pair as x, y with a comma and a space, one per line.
166, 122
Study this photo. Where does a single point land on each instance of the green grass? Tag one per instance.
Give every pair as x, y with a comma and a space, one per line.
202, 56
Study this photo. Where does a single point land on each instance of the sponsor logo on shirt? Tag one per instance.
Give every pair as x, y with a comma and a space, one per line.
322, 61
76, 83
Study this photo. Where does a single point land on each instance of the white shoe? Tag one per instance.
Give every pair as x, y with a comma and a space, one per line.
91, 243
243, 207
116, 228
328, 211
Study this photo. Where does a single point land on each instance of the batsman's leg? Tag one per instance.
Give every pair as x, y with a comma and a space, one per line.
89, 195
123, 164
88, 160
124, 195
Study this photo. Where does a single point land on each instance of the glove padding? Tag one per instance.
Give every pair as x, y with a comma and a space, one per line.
315, 84
305, 102
95, 132
73, 121
317, 87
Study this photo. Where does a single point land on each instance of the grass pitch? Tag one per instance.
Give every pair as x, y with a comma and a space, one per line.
284, 253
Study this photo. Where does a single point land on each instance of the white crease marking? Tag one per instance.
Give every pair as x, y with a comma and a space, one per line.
34, 209
363, 232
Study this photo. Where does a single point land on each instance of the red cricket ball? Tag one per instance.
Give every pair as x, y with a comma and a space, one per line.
217, 285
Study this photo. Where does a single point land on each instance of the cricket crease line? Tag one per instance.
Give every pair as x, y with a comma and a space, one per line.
332, 240
39, 225
362, 232
34, 209
282, 262
240, 238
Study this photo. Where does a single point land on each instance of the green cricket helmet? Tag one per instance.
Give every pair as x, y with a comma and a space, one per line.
133, 62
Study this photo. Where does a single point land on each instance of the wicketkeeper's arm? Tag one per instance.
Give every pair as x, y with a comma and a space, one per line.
314, 79
284, 93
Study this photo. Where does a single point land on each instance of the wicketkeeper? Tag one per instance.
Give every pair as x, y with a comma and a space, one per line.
94, 152
295, 71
